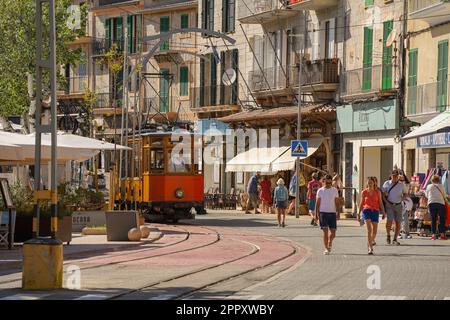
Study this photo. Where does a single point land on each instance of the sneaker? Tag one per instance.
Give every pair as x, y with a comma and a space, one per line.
444, 237
370, 252
396, 242
433, 237
329, 249
326, 252
374, 243
248, 212
409, 236
283, 225
388, 240
315, 224
312, 222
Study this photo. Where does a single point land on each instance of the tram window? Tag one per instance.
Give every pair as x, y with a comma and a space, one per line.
157, 142
179, 164
146, 160
157, 160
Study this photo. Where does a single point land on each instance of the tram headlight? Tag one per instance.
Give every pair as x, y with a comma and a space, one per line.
179, 193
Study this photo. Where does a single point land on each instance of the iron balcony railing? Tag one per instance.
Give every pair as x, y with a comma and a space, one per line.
313, 72
418, 5
105, 100
102, 46
109, 2
220, 95
78, 84
250, 8
427, 98
316, 72
368, 80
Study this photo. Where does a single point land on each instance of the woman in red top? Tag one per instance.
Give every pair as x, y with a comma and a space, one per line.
371, 205
266, 196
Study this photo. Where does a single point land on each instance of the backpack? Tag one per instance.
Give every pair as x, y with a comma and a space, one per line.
281, 193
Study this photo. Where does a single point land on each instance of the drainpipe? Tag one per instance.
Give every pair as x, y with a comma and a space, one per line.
402, 87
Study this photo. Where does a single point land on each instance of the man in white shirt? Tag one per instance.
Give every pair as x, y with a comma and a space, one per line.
393, 191
326, 212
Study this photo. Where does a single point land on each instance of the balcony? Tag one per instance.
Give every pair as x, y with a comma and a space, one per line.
263, 11
274, 79
376, 80
73, 86
214, 99
102, 46
432, 11
104, 104
102, 3
319, 75
427, 99
312, 4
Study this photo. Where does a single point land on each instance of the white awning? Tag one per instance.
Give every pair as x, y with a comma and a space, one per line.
436, 124
255, 159
9, 151
269, 160
70, 147
287, 162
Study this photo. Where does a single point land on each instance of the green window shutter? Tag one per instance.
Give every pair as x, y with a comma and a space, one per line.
368, 3
138, 33
442, 75
386, 82
235, 86
108, 33
224, 15
367, 58
222, 71
164, 90
210, 15
412, 81
164, 27
184, 21
130, 33
119, 33
231, 15
213, 77
204, 14
202, 83
184, 81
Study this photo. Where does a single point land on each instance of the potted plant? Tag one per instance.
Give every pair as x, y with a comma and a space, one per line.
23, 201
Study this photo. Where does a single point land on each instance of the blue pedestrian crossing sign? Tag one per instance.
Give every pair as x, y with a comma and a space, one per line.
299, 148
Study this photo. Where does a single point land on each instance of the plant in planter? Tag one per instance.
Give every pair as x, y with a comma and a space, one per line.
23, 200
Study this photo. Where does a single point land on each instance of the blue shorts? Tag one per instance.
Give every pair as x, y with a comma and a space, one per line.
373, 215
328, 220
312, 204
281, 204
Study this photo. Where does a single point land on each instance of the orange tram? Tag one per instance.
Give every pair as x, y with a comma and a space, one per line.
164, 187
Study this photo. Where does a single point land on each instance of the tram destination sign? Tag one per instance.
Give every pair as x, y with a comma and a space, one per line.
434, 140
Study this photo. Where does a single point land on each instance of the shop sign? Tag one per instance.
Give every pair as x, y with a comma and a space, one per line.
434, 140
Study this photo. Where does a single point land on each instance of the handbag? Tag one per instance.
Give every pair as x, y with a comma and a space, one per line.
447, 207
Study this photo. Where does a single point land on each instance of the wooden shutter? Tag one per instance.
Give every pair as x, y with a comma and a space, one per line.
184, 81
164, 90
235, 66
164, 27
184, 21
224, 15
210, 15
119, 33
367, 58
231, 15
202, 83
386, 77
130, 33
222, 71
108, 33
213, 77
442, 75
412, 81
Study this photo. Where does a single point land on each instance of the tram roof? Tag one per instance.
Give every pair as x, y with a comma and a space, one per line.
168, 133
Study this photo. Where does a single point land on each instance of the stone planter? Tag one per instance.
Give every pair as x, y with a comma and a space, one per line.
24, 228
81, 219
118, 223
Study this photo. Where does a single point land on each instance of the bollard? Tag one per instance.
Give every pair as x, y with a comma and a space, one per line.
42, 264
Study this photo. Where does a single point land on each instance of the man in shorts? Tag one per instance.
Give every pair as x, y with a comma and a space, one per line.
393, 194
327, 204
313, 186
252, 190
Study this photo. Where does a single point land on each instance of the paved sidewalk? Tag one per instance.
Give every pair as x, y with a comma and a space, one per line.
79, 246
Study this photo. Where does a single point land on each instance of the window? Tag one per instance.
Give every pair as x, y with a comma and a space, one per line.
164, 27
184, 21
387, 57
134, 30
228, 15
208, 81
184, 81
179, 163
164, 90
229, 93
114, 33
208, 14
412, 81
367, 58
368, 3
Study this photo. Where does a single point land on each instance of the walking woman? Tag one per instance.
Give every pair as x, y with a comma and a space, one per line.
266, 197
281, 197
436, 205
371, 204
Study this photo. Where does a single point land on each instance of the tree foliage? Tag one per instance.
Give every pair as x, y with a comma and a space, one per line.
18, 49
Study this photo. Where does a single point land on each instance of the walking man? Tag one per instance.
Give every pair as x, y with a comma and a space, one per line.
311, 195
393, 194
326, 211
252, 190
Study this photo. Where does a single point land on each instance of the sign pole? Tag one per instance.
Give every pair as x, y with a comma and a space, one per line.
299, 128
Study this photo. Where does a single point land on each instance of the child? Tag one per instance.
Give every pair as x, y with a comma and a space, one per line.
421, 214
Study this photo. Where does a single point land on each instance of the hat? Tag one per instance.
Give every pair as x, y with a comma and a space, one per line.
315, 175
280, 182
395, 172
